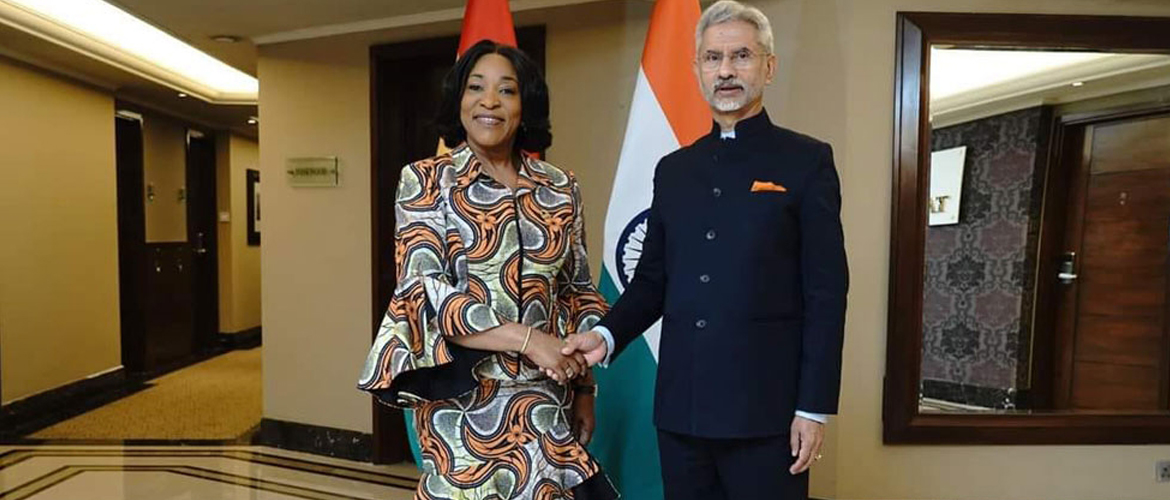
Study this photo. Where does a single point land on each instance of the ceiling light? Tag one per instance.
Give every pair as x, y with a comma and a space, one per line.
182, 95
253, 121
1078, 84
111, 35
226, 38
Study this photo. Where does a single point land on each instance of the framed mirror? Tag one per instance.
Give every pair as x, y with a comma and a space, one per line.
1030, 249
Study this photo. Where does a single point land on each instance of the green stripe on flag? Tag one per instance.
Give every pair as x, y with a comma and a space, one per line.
415, 450
625, 440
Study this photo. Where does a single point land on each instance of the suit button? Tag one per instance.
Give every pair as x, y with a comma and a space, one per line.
705, 278
717, 192
715, 158
711, 234
701, 324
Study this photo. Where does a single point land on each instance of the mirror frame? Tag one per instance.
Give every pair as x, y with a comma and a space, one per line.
916, 32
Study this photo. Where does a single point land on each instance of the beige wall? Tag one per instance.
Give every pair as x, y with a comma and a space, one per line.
246, 264
835, 82
239, 263
590, 97
59, 319
164, 162
316, 242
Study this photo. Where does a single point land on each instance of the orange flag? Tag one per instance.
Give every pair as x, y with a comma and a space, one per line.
486, 19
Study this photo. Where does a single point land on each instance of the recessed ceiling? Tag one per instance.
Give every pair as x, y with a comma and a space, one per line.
967, 84
954, 71
118, 38
196, 21
33, 51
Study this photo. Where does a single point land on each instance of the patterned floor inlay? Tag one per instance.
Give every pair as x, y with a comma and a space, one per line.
140, 473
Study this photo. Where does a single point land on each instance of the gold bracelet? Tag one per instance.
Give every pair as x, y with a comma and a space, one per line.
527, 337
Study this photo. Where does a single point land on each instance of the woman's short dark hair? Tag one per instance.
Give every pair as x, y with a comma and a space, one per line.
534, 133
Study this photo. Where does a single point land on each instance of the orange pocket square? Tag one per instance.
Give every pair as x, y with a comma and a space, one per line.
768, 186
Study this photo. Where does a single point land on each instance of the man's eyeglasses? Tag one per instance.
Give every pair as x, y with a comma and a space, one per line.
740, 59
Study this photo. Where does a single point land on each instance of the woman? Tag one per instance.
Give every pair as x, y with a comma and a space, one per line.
492, 274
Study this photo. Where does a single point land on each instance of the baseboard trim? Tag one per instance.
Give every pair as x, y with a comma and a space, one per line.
38, 411
246, 339
315, 439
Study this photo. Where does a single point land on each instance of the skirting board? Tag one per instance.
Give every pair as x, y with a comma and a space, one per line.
47, 408
246, 339
315, 439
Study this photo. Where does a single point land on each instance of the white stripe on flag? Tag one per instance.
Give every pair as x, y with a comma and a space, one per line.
648, 138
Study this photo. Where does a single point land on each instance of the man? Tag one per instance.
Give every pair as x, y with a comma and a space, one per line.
744, 261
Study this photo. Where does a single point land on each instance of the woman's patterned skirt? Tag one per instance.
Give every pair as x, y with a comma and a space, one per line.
505, 440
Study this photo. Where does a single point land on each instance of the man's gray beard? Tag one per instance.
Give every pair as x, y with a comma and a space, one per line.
728, 105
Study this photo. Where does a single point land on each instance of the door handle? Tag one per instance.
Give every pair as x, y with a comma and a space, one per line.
199, 248
1067, 274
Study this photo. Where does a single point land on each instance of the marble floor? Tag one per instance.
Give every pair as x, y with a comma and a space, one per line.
193, 472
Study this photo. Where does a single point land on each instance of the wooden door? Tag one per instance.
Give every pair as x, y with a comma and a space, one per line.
201, 235
1113, 315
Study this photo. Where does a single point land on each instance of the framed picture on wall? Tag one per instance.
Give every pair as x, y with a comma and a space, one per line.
946, 185
253, 192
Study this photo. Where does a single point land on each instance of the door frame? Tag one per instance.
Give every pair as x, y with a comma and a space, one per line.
130, 166
390, 444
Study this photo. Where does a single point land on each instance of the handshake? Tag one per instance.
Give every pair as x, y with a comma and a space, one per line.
564, 360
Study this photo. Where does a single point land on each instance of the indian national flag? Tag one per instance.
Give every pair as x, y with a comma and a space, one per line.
667, 112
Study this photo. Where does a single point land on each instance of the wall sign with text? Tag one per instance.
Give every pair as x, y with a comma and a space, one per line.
320, 171
946, 185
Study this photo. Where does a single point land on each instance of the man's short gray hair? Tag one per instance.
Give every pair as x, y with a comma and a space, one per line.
725, 11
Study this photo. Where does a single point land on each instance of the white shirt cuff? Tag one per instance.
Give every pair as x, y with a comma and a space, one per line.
608, 336
815, 417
